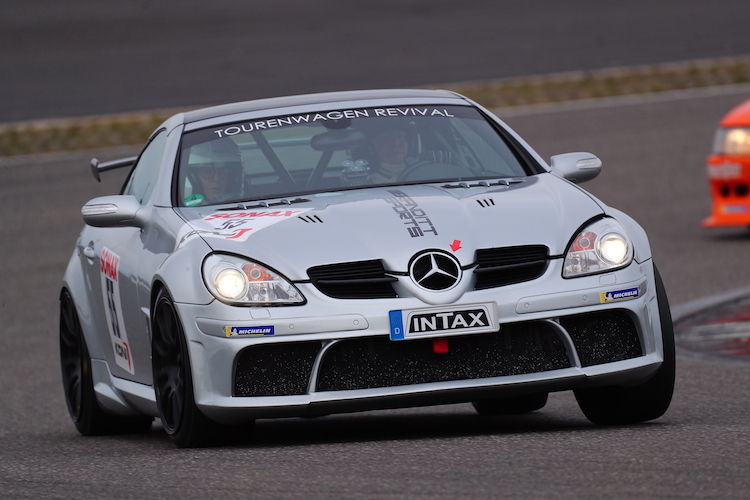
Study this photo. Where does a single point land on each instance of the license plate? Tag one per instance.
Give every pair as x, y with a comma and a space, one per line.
439, 321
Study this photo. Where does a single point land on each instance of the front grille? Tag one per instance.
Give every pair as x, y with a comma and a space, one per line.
495, 267
275, 369
353, 280
367, 363
506, 266
603, 337
285, 368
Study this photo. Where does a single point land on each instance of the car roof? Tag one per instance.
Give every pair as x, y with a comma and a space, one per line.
738, 117
312, 99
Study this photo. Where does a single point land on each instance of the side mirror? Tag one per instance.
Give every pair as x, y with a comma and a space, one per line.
576, 167
113, 211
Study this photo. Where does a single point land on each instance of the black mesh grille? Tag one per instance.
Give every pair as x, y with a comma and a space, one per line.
364, 363
505, 266
275, 369
603, 337
379, 362
353, 280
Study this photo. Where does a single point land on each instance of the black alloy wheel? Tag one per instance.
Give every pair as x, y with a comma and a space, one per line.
78, 383
183, 421
169, 362
643, 402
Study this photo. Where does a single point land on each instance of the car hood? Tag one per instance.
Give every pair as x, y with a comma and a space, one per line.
393, 223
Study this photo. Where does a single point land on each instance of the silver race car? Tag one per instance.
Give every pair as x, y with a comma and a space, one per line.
352, 251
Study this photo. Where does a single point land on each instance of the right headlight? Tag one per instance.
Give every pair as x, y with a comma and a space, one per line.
602, 246
734, 141
239, 281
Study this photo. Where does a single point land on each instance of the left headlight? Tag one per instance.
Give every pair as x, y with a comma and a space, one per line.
235, 280
601, 246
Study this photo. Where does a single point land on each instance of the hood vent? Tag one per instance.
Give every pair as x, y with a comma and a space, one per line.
489, 202
310, 219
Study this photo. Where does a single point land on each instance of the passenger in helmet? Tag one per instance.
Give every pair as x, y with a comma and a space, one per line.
214, 172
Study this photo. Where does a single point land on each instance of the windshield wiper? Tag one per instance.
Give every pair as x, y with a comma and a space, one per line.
467, 185
265, 204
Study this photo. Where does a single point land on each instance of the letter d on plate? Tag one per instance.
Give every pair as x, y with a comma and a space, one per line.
397, 325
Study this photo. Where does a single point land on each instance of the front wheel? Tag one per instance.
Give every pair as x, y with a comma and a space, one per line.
180, 417
647, 401
78, 382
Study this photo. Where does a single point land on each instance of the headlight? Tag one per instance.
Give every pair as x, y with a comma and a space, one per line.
602, 246
239, 281
732, 141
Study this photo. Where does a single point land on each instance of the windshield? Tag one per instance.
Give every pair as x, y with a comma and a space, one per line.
292, 155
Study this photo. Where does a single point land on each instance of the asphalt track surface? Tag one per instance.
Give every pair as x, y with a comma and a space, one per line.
89, 57
59, 59
653, 152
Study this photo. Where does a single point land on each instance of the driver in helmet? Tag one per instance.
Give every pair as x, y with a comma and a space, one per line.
214, 171
392, 148
388, 140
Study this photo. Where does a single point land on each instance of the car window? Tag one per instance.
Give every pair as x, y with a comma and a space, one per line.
143, 177
341, 149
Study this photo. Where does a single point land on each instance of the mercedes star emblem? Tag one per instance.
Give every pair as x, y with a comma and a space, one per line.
435, 270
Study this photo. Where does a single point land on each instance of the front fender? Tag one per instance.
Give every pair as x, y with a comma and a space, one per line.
636, 232
181, 275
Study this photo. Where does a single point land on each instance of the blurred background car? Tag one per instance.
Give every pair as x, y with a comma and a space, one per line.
729, 170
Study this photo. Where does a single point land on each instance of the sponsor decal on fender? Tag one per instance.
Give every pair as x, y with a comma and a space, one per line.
109, 266
236, 225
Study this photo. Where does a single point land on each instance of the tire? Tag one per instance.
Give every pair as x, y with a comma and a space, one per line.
78, 382
180, 417
510, 406
647, 401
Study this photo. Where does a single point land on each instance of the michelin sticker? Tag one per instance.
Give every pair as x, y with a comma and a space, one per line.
109, 266
628, 293
248, 331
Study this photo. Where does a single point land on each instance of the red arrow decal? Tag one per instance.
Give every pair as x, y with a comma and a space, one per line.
455, 245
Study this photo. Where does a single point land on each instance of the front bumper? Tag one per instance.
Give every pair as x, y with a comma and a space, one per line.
555, 334
729, 182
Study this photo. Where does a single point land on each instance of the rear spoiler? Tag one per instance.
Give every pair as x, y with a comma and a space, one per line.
97, 167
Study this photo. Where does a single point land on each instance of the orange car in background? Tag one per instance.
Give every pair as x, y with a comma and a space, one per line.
729, 170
